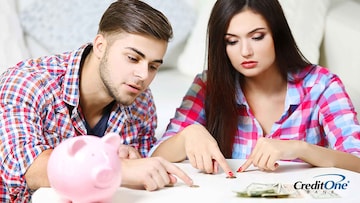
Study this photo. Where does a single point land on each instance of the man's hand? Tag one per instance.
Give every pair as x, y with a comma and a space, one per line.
128, 152
151, 173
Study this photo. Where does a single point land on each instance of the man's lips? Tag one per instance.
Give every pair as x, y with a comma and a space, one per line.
249, 64
134, 88
138, 87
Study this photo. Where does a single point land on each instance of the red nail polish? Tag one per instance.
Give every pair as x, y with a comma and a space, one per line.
230, 174
239, 170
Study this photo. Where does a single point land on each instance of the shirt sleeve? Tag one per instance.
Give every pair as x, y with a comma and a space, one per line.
338, 117
19, 125
191, 110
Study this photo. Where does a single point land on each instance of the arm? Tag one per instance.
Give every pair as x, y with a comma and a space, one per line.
151, 173
21, 130
338, 118
268, 151
167, 148
195, 143
186, 136
325, 157
36, 175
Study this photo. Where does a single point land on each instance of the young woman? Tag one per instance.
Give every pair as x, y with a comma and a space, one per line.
260, 99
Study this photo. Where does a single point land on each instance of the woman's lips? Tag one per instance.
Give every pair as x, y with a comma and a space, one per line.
249, 64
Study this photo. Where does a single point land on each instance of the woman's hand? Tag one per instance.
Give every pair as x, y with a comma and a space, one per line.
203, 151
268, 151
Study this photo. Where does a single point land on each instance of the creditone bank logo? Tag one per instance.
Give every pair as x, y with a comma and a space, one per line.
324, 182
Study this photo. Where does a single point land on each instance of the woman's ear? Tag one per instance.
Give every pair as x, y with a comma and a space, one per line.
99, 45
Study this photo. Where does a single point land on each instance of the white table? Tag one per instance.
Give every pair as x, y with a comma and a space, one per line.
217, 188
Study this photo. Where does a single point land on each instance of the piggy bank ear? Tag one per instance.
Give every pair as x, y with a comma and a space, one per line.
112, 139
75, 145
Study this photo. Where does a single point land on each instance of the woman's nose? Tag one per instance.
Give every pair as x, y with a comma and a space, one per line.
246, 49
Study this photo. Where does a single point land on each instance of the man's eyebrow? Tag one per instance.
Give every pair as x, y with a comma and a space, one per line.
143, 55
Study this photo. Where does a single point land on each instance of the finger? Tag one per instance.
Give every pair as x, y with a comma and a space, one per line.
173, 179
256, 152
150, 184
256, 156
175, 170
133, 154
200, 163
272, 165
192, 160
208, 165
262, 161
276, 165
161, 177
221, 161
245, 165
248, 162
123, 152
215, 166
158, 178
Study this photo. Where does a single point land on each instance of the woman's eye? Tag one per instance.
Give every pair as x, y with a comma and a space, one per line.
231, 42
258, 37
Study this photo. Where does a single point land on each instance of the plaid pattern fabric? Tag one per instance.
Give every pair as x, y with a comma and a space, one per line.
318, 111
36, 96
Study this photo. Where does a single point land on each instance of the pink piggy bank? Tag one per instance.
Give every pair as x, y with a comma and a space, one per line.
86, 168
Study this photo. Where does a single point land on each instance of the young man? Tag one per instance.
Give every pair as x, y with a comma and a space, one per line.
102, 87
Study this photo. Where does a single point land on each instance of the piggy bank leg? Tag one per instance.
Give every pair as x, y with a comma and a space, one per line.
107, 200
64, 200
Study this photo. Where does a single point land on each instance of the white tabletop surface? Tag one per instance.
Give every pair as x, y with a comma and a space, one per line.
217, 188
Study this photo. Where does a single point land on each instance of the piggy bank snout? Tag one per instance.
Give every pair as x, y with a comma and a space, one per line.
105, 177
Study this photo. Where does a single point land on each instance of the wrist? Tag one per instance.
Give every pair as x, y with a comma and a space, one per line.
302, 148
124, 171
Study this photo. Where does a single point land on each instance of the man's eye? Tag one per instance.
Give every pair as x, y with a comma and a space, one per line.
152, 67
132, 59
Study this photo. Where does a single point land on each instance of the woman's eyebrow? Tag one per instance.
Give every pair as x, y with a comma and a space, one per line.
252, 31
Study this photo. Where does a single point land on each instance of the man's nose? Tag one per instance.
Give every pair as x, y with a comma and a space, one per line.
142, 71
